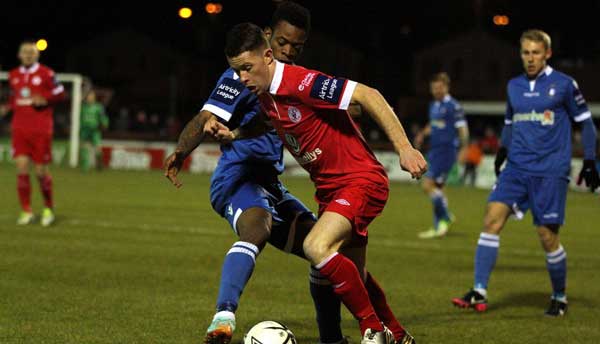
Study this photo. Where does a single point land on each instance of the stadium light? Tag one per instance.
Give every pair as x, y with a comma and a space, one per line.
185, 12
501, 20
41, 44
213, 8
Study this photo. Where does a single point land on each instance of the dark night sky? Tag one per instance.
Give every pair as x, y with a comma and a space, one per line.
359, 24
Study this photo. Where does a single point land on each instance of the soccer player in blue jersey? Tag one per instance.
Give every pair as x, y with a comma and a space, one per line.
537, 141
245, 189
448, 131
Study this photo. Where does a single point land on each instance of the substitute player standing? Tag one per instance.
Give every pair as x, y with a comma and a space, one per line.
448, 132
34, 92
537, 140
308, 110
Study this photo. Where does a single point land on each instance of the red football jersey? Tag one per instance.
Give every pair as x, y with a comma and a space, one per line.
309, 112
26, 82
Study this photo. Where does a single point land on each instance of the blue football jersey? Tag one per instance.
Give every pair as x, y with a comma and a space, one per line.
538, 111
236, 106
444, 118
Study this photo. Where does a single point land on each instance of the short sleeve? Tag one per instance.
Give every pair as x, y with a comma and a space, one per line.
575, 103
228, 94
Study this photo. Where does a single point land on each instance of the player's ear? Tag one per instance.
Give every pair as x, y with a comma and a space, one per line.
548, 53
268, 55
268, 32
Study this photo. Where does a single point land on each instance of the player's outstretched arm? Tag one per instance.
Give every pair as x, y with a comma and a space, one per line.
411, 160
191, 136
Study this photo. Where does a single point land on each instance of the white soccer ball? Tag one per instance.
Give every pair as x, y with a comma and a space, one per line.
269, 332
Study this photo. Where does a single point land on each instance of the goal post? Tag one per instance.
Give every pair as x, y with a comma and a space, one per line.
76, 80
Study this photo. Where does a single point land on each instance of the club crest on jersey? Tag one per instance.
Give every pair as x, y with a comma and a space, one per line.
36, 80
294, 114
551, 92
293, 143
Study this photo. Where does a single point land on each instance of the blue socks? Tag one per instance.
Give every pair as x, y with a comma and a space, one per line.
440, 206
237, 269
328, 307
556, 262
485, 260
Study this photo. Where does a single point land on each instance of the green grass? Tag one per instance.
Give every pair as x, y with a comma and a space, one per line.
133, 260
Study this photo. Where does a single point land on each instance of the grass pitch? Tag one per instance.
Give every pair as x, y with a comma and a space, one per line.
133, 260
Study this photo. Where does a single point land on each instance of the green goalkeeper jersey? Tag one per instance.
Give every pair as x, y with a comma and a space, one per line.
93, 116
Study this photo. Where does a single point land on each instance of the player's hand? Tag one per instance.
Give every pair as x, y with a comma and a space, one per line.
37, 100
412, 161
589, 173
3, 110
172, 166
218, 131
500, 157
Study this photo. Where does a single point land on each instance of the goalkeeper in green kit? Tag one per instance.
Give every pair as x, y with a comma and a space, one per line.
93, 120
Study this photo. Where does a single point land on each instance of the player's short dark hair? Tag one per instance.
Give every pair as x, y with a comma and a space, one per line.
292, 13
244, 37
537, 36
442, 76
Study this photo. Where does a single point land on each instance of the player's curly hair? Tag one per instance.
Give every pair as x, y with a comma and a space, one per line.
537, 36
292, 13
244, 37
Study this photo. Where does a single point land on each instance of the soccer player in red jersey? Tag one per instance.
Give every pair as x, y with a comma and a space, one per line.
34, 91
308, 109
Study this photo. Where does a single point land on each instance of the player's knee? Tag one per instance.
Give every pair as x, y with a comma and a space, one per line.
492, 224
254, 227
316, 250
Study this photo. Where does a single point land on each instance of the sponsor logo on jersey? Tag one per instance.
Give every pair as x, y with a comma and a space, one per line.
36, 80
342, 201
25, 92
327, 89
293, 143
227, 91
438, 123
309, 157
306, 81
531, 94
545, 118
294, 114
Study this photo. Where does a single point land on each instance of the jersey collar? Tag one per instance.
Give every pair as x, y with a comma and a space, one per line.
32, 69
446, 98
277, 77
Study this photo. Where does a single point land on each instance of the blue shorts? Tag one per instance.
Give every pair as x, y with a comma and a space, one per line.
440, 162
273, 197
545, 196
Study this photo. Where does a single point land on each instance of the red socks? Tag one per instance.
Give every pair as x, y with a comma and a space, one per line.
348, 285
24, 191
46, 186
383, 310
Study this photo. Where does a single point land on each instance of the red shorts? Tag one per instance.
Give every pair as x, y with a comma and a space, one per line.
359, 202
36, 145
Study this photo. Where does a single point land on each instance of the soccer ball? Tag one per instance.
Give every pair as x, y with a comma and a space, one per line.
269, 332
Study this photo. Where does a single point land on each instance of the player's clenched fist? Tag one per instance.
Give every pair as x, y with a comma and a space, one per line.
412, 161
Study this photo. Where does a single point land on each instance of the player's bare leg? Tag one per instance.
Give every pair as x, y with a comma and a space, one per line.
322, 245
556, 263
24, 190
253, 227
485, 257
45, 179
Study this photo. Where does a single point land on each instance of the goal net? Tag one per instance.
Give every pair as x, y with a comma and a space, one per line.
66, 114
